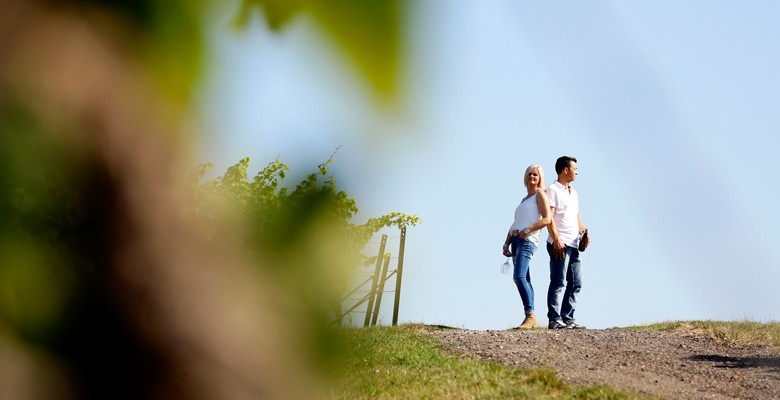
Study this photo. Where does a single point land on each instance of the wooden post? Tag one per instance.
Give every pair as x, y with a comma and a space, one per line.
372, 293
381, 289
400, 270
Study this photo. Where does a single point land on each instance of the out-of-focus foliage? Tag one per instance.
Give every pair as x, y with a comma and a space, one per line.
55, 203
107, 288
40, 212
369, 31
59, 231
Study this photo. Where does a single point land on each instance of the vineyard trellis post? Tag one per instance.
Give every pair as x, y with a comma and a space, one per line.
372, 293
377, 281
399, 274
381, 289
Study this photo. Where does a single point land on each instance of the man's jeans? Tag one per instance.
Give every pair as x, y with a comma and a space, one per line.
523, 250
568, 268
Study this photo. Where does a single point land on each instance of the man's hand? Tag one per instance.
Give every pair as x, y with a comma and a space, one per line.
558, 252
507, 252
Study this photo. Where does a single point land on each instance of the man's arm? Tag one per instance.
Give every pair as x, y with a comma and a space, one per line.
580, 223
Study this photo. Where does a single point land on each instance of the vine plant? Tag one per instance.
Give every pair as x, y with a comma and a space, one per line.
305, 234
278, 212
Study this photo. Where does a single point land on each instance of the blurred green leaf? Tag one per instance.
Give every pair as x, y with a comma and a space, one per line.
277, 12
369, 32
35, 287
174, 47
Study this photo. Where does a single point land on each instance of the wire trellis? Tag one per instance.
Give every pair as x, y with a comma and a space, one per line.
368, 285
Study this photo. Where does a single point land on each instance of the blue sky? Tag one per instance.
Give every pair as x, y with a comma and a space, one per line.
670, 108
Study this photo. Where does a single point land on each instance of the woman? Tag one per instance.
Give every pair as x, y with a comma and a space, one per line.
531, 216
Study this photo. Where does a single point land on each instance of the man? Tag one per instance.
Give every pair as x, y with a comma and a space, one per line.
563, 239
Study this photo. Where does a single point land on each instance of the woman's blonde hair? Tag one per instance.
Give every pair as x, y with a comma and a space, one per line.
538, 169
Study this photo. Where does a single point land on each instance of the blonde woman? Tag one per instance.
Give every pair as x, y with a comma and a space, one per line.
531, 215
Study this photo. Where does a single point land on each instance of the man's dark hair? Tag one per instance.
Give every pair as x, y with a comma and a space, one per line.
562, 162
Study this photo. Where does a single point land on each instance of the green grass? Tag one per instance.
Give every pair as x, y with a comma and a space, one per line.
741, 332
402, 363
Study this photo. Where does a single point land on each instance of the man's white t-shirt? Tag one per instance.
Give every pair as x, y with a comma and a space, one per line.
567, 207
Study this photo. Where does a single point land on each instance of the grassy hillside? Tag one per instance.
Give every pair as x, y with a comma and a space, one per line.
402, 363
742, 332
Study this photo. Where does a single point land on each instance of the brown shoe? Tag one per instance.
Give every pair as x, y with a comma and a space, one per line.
529, 322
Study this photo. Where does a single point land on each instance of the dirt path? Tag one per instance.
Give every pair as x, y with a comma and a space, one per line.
670, 364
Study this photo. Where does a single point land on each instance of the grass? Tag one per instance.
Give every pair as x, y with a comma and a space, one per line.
741, 332
402, 363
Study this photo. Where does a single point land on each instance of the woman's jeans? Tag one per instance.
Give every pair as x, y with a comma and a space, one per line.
523, 250
564, 276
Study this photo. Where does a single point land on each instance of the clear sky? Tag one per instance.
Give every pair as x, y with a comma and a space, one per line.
671, 108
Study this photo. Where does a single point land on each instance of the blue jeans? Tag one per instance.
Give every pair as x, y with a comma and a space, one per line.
568, 267
522, 250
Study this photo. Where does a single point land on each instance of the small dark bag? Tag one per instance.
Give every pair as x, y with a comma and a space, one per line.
584, 241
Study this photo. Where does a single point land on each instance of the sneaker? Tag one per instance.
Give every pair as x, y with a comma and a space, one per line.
529, 322
558, 325
574, 325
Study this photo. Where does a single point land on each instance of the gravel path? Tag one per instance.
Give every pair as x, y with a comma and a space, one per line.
669, 364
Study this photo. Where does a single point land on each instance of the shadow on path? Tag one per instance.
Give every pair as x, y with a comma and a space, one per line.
770, 362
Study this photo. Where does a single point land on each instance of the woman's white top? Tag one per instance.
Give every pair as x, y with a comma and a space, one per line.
526, 214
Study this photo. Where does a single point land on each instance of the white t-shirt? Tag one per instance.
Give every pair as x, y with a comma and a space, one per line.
526, 214
567, 208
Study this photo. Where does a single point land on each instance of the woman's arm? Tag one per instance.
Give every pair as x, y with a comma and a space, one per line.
544, 210
508, 240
